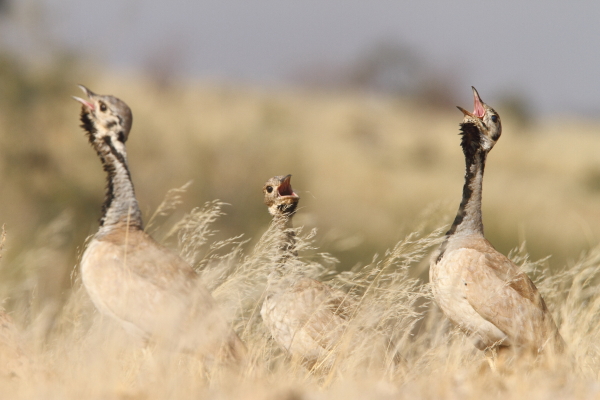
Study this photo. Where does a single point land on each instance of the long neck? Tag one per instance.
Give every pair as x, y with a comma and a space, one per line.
120, 206
284, 228
468, 218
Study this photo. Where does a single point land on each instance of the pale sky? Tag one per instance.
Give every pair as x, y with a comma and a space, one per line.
546, 50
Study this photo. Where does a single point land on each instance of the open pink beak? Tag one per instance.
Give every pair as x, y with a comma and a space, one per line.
479, 110
285, 188
89, 94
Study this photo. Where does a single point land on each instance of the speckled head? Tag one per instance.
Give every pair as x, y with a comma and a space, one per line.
103, 116
486, 122
280, 198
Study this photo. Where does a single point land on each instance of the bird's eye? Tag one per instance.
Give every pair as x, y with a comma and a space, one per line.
494, 118
102, 107
269, 189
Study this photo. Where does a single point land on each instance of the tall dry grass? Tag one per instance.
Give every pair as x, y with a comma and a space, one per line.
79, 354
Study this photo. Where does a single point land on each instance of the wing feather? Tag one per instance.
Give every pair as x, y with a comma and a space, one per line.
505, 296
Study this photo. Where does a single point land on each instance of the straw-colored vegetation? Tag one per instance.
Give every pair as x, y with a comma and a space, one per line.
374, 173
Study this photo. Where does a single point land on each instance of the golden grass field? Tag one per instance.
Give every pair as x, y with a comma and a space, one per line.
373, 172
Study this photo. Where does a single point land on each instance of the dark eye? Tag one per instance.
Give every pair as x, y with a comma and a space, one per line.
269, 189
102, 107
494, 118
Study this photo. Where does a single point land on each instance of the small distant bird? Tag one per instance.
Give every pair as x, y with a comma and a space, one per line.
479, 289
130, 277
306, 317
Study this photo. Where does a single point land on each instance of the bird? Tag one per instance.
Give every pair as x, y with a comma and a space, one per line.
478, 288
304, 316
151, 291
307, 318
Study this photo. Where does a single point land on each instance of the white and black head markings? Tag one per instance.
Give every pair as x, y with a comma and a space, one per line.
107, 122
481, 128
280, 198
106, 119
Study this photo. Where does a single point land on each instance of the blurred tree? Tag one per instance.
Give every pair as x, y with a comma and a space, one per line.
387, 66
166, 62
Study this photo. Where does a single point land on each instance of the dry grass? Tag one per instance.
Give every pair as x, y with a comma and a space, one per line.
373, 174
82, 355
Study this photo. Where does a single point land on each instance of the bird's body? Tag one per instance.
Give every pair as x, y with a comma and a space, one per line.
490, 298
163, 285
149, 289
310, 319
306, 317
478, 288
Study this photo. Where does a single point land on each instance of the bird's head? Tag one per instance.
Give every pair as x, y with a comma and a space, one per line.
105, 117
482, 127
280, 197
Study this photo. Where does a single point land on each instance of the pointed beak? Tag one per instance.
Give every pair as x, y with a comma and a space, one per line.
465, 111
89, 94
285, 188
479, 109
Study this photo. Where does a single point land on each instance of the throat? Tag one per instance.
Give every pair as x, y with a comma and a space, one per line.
285, 229
120, 206
285, 249
468, 218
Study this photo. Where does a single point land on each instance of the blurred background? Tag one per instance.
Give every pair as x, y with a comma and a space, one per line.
355, 99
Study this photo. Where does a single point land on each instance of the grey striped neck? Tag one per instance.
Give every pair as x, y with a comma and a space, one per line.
468, 218
120, 207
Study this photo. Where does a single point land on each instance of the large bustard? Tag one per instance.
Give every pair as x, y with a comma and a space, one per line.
130, 277
479, 289
308, 318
